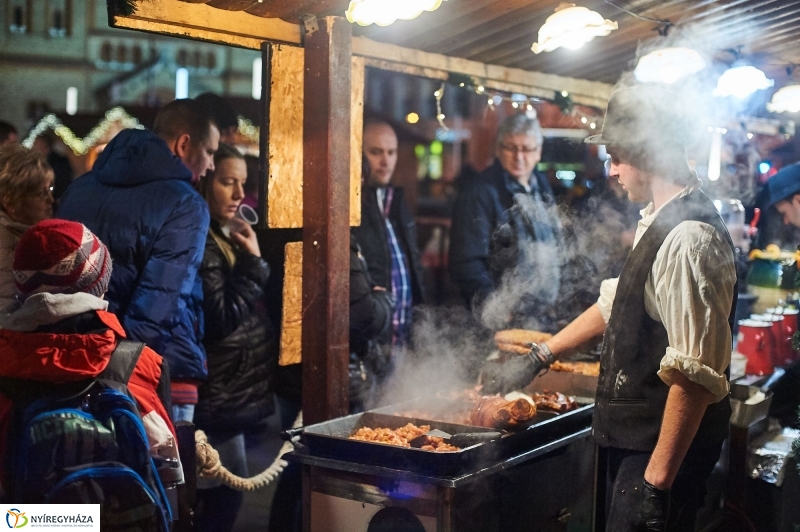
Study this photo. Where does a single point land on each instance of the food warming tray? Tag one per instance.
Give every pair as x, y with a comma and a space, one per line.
330, 439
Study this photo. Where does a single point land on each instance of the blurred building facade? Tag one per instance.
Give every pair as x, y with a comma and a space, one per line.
49, 46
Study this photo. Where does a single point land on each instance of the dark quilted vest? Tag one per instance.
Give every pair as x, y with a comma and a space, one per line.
630, 395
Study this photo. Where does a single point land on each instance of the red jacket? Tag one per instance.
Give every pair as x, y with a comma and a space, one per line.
61, 358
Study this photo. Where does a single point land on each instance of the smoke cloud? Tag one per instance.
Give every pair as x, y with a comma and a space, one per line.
552, 283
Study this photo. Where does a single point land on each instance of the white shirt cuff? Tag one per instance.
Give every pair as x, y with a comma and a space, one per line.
695, 371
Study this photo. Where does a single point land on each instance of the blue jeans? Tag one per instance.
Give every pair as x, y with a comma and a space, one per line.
218, 505
182, 413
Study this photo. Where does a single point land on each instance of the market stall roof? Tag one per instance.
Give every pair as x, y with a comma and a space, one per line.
500, 32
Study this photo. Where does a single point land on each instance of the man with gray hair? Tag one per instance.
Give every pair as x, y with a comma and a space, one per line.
500, 215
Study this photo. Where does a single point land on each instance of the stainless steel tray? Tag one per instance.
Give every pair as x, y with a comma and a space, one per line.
330, 439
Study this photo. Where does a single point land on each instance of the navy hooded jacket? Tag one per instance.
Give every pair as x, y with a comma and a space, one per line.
139, 200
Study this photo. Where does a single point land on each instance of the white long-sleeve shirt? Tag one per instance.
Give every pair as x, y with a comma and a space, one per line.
689, 290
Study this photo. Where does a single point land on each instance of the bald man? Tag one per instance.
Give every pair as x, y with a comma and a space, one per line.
387, 234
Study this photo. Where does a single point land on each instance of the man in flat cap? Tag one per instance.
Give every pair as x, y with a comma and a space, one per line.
662, 408
783, 191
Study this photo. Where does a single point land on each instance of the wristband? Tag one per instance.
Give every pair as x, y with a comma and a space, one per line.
542, 353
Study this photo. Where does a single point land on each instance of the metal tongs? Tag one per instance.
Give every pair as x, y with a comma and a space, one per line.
461, 440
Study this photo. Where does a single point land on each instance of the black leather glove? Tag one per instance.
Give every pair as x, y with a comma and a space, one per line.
653, 509
515, 374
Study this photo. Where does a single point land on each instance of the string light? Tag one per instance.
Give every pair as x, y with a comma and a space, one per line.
97, 135
248, 130
518, 101
439, 94
117, 115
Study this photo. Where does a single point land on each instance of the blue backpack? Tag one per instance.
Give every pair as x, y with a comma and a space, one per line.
85, 443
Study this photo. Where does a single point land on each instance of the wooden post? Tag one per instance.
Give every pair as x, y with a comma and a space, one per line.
326, 228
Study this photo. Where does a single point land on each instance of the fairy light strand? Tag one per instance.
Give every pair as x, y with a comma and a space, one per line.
439, 94
520, 103
77, 145
116, 115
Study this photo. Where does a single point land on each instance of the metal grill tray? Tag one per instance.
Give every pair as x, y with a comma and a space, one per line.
330, 439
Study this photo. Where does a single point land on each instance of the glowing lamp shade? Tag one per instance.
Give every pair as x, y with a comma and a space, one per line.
741, 82
384, 13
571, 27
668, 65
786, 100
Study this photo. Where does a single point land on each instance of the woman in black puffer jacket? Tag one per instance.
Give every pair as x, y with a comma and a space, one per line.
241, 343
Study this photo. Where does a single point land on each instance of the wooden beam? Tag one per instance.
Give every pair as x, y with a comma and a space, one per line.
326, 231
437, 66
282, 129
206, 23
238, 28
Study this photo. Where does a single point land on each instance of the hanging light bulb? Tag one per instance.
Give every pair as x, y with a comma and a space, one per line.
741, 82
786, 100
383, 13
668, 65
571, 27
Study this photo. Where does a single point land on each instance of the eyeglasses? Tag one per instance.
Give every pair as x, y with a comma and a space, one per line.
525, 150
43, 194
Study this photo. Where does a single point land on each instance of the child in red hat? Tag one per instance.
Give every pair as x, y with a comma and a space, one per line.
59, 331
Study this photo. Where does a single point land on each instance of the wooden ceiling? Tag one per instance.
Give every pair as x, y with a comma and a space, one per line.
500, 32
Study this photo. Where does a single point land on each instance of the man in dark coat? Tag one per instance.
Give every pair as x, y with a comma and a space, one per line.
387, 235
504, 226
139, 200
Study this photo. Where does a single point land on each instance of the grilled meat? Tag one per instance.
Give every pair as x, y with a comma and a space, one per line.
495, 412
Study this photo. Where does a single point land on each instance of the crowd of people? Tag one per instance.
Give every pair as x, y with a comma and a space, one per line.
147, 247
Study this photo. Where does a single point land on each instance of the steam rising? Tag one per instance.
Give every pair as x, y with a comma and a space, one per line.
553, 283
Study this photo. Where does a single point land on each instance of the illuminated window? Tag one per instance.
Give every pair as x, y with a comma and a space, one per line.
122, 54
59, 14
106, 51
429, 160
211, 61
435, 163
183, 57
19, 19
137, 54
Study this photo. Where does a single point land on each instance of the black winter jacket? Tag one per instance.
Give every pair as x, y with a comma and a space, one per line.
487, 226
370, 310
370, 319
370, 325
373, 239
241, 343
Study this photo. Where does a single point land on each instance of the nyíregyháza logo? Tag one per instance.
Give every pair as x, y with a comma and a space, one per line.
16, 518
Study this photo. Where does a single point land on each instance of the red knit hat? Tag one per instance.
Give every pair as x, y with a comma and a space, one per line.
61, 257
